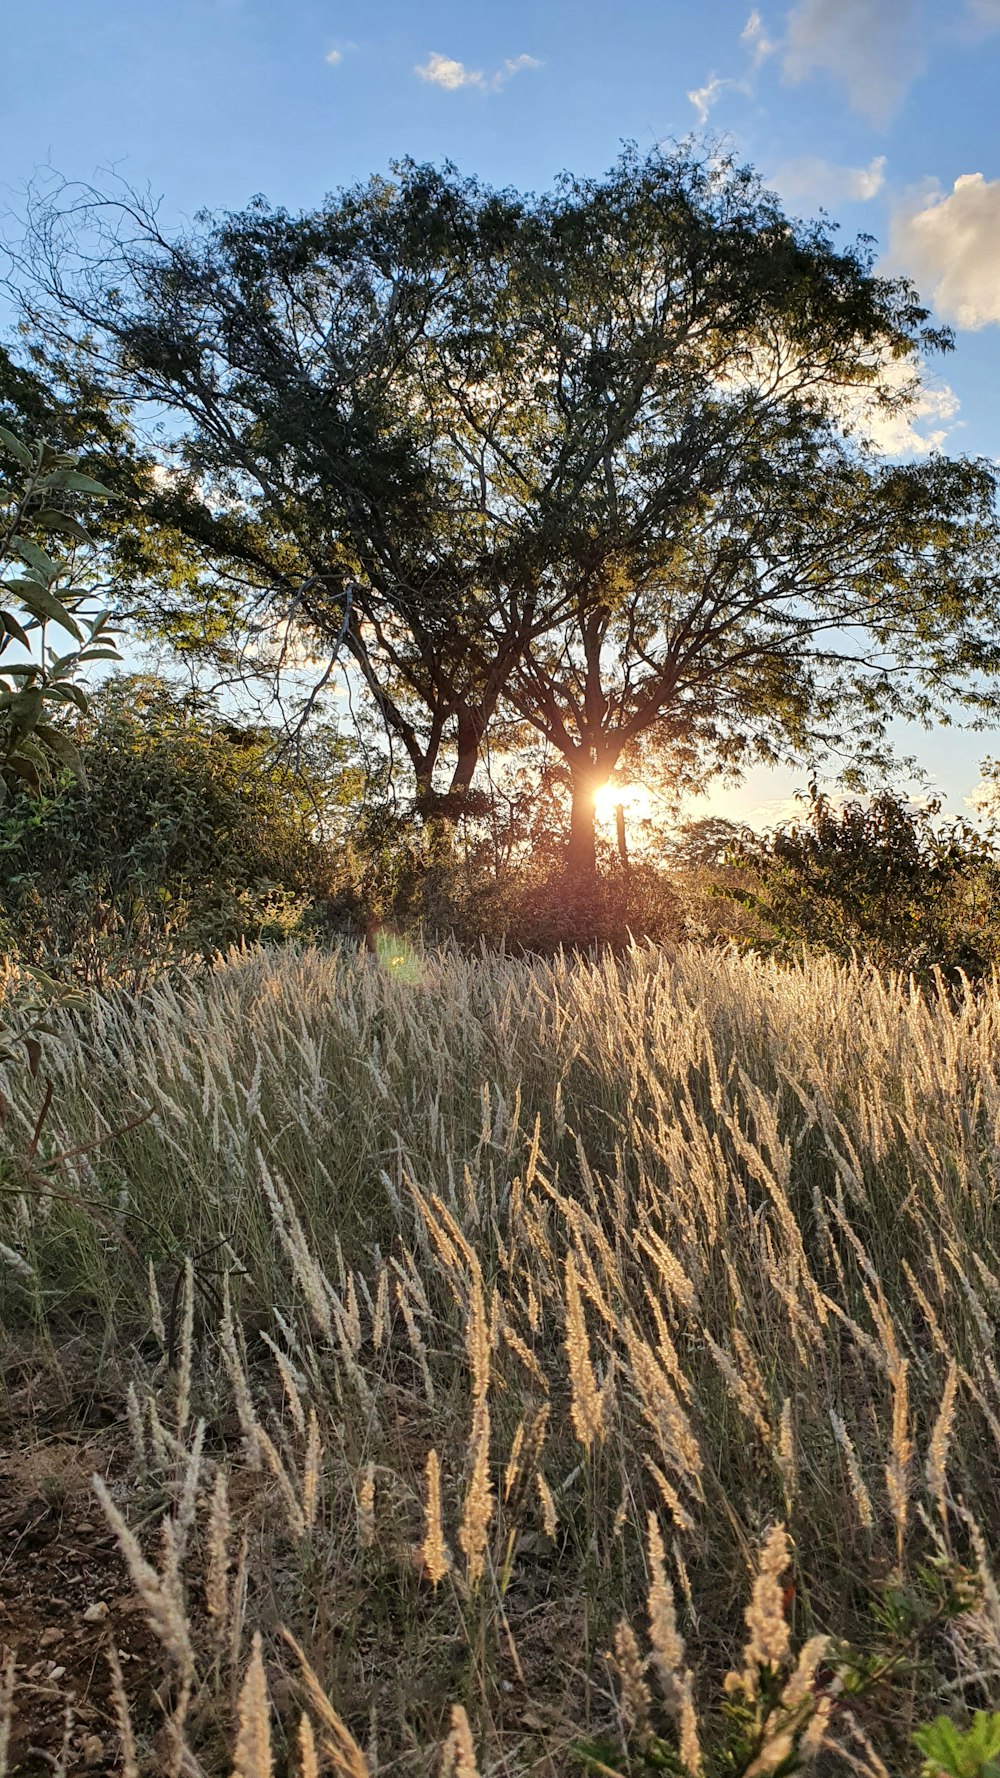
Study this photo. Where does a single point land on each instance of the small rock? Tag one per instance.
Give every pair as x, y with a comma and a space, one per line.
96, 1613
57, 1673
50, 1637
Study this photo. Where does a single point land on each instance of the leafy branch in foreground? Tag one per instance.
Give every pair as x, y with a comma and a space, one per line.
44, 587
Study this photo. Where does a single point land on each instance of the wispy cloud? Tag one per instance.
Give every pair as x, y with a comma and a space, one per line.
811, 179
758, 46
333, 56
446, 72
704, 97
874, 47
756, 40
950, 245
517, 65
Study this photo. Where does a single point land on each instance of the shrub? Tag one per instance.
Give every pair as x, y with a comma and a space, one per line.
542, 909
883, 878
186, 836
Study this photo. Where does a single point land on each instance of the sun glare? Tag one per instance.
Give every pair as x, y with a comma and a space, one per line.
636, 800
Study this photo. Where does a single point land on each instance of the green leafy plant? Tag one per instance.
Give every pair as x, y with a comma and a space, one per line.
44, 583
190, 835
970, 1753
883, 878
782, 1708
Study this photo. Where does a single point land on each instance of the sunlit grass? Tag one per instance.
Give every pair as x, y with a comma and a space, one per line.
491, 1260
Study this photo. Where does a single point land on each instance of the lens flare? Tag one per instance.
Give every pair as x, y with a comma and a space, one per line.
636, 800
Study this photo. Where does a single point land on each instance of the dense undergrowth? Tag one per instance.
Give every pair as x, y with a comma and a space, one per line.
491, 1332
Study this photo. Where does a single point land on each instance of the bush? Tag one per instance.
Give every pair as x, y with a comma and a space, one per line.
186, 836
540, 910
881, 878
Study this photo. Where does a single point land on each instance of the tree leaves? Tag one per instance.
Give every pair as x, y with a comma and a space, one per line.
578, 462
76, 483
15, 448
45, 605
36, 558
30, 745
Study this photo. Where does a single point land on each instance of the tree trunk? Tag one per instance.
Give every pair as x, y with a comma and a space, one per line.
620, 831
581, 853
469, 737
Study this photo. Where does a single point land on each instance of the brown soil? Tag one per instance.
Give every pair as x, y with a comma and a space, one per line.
64, 1593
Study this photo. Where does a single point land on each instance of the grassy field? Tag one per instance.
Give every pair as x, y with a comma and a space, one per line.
502, 1354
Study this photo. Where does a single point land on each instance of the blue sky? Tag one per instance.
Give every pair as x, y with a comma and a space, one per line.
883, 111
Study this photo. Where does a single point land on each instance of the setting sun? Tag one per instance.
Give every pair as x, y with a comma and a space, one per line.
636, 800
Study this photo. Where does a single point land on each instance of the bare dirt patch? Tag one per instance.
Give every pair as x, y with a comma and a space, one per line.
65, 1596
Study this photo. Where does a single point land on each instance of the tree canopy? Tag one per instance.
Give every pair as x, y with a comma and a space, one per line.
596, 462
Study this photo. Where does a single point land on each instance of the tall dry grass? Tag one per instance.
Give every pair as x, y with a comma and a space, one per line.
523, 1322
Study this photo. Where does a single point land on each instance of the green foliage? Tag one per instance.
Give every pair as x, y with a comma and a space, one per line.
37, 684
51, 397
774, 1718
539, 909
882, 878
972, 1753
189, 834
499, 451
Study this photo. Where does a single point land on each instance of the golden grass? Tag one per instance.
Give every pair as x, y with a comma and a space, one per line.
549, 1300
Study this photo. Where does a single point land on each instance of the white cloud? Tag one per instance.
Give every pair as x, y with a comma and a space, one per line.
518, 64
754, 37
915, 430
758, 45
704, 97
874, 46
333, 56
445, 72
904, 412
812, 180
914, 433
950, 245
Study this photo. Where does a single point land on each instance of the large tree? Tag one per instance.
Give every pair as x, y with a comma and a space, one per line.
304, 356
596, 458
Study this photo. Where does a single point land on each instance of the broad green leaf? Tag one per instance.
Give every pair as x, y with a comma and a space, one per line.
15, 448
55, 459
69, 693
100, 654
36, 558
27, 580
13, 628
27, 748
62, 748
26, 707
50, 520
26, 769
76, 483
47, 608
